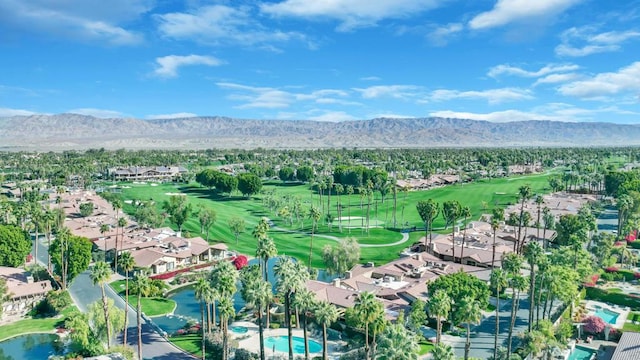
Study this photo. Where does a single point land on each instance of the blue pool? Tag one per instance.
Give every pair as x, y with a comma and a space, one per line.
608, 316
32, 346
239, 329
281, 343
580, 353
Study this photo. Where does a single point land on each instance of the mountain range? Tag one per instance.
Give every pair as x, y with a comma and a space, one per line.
73, 131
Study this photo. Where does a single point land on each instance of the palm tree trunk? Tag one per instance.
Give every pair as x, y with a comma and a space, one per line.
306, 337
453, 243
311, 245
464, 235
213, 312
225, 337
105, 308
261, 333
126, 306
467, 345
287, 319
438, 329
324, 342
532, 294
208, 318
493, 255
495, 336
139, 315
513, 318
202, 326
366, 340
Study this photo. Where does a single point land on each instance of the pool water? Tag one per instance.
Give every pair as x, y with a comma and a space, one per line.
239, 329
608, 316
580, 353
281, 343
32, 346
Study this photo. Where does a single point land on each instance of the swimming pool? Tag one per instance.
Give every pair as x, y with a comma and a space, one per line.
608, 316
281, 343
581, 353
239, 329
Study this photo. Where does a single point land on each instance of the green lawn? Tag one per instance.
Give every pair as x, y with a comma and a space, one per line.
39, 325
425, 347
190, 343
631, 326
492, 193
152, 306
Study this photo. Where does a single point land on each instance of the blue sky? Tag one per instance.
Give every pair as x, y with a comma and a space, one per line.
328, 60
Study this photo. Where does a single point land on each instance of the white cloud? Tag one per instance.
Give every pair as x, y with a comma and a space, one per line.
86, 20
332, 116
7, 112
167, 66
493, 96
557, 78
99, 113
497, 116
394, 91
583, 41
508, 11
179, 115
351, 13
603, 85
440, 36
221, 24
370, 78
273, 98
516, 71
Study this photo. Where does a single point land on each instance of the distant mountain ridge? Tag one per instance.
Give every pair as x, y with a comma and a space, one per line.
73, 131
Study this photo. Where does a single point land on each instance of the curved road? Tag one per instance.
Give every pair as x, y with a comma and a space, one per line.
84, 292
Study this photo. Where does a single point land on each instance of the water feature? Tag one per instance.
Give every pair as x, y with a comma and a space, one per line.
581, 353
281, 343
239, 329
31, 346
187, 308
607, 315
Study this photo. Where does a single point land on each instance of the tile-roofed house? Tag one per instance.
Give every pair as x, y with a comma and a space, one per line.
145, 173
628, 347
23, 292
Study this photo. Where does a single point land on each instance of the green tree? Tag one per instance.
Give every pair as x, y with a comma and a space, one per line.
428, 211
451, 212
249, 184
70, 255
100, 274
512, 264
396, 343
15, 245
367, 308
207, 217
266, 250
227, 312
236, 225
305, 302
201, 288
256, 292
314, 215
142, 287
470, 313
525, 194
127, 263
439, 306
340, 258
417, 315
291, 278
325, 314
443, 352
465, 212
533, 253
178, 208
499, 282
86, 209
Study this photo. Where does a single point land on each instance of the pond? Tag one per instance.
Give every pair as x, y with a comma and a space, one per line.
188, 308
31, 346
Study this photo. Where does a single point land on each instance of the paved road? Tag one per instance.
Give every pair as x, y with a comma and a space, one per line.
83, 293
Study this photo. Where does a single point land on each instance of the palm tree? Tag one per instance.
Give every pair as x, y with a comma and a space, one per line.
116, 203
48, 219
470, 313
325, 314
122, 223
314, 215
367, 308
291, 279
498, 281
465, 212
451, 212
305, 302
266, 250
141, 286
100, 274
256, 292
532, 252
512, 264
339, 190
210, 297
226, 312
349, 192
525, 194
549, 220
443, 352
396, 343
539, 202
428, 211
127, 263
439, 306
200, 290
36, 218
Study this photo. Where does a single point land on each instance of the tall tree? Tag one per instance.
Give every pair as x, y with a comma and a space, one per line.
305, 301
533, 252
207, 217
178, 208
549, 223
396, 343
142, 287
465, 212
291, 278
256, 292
498, 282
512, 264
70, 255
236, 225
100, 274
439, 306
349, 192
539, 201
443, 352
227, 312
314, 215
15, 245
451, 212
524, 192
325, 314
471, 313
367, 308
428, 211
127, 263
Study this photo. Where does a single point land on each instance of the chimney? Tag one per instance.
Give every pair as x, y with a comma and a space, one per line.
336, 282
347, 275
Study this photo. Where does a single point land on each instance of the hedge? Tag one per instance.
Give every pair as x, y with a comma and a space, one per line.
631, 301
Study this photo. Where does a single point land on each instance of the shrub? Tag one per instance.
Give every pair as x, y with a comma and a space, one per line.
274, 325
593, 324
240, 261
612, 269
242, 354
